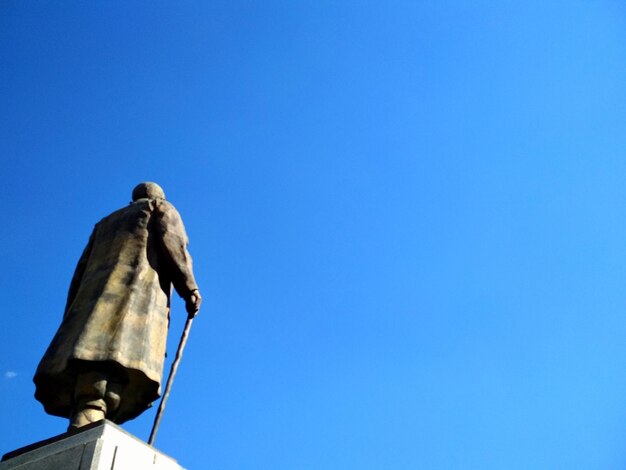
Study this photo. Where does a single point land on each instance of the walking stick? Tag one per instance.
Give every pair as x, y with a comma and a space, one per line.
170, 380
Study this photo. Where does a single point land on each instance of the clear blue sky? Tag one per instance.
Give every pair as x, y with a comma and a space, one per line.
408, 221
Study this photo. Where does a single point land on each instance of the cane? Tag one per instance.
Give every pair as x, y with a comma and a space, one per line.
170, 380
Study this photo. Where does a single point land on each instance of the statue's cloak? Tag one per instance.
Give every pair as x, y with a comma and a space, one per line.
117, 312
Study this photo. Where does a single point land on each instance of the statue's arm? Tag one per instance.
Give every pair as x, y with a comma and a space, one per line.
78, 274
174, 243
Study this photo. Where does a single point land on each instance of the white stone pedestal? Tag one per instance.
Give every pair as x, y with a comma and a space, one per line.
99, 446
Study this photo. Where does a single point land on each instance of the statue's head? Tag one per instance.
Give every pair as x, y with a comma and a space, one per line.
148, 190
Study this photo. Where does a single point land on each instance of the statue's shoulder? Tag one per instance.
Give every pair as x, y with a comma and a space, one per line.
134, 211
164, 207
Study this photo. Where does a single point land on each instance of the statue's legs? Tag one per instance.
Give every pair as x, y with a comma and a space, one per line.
96, 396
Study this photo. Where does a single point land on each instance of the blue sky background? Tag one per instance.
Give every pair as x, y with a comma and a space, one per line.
408, 221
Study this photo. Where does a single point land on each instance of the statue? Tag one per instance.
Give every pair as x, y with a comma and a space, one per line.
106, 359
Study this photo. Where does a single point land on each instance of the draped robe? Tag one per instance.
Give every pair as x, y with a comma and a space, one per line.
117, 313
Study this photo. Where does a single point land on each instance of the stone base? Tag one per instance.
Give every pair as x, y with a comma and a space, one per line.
98, 446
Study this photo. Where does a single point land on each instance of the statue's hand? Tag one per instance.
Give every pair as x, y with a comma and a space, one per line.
192, 304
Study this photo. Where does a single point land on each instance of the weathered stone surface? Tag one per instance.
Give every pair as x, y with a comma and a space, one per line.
98, 446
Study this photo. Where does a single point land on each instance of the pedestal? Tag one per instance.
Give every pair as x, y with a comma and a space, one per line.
98, 446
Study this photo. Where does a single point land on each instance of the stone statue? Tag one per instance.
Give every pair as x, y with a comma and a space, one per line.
106, 359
